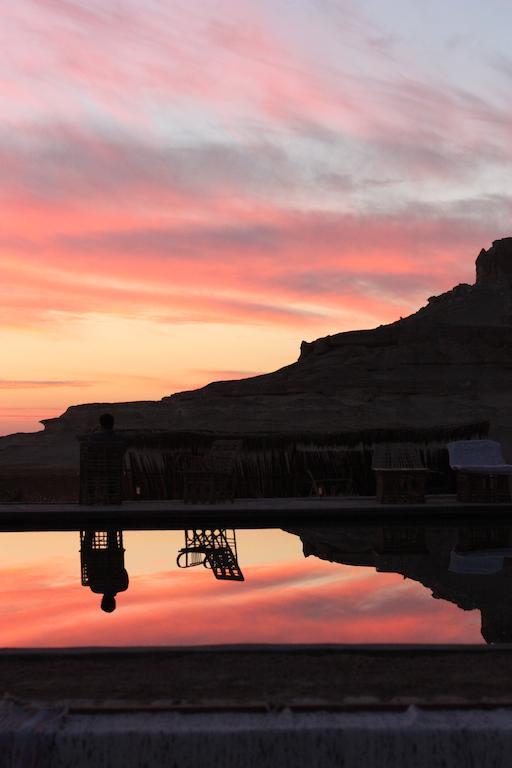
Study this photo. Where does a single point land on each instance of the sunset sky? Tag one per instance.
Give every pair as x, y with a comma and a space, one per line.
189, 189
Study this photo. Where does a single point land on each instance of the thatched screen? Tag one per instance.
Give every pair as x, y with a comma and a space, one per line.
272, 465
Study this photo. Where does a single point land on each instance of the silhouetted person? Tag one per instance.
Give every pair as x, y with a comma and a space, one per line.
102, 560
107, 421
106, 430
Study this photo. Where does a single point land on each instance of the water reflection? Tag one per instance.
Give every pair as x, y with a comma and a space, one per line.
470, 567
213, 548
102, 565
103, 569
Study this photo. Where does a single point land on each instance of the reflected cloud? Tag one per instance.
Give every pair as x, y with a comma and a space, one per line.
310, 601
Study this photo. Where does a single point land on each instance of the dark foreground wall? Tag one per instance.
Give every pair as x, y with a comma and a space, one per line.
280, 707
279, 739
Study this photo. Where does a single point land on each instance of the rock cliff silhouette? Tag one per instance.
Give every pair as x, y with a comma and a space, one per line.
448, 363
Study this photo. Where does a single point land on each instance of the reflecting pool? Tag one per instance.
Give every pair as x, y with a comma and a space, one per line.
395, 584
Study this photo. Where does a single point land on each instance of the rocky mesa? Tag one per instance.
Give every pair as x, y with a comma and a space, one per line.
448, 363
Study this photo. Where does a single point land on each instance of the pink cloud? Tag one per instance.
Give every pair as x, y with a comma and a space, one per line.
235, 60
226, 56
271, 266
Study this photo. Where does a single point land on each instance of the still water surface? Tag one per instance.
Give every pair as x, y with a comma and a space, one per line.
323, 585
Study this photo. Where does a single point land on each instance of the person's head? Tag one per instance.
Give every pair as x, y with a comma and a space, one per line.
107, 421
108, 603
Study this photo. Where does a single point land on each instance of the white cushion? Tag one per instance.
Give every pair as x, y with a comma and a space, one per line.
477, 455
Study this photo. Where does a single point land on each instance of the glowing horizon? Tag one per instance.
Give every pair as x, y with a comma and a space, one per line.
188, 192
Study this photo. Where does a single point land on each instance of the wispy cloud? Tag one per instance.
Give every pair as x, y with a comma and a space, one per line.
271, 266
38, 384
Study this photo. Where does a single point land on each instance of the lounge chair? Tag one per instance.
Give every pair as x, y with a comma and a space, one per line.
400, 473
482, 475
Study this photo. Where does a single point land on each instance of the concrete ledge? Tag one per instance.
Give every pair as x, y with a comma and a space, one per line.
246, 513
56, 738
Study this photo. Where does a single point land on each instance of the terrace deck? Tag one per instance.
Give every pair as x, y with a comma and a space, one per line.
246, 513
260, 677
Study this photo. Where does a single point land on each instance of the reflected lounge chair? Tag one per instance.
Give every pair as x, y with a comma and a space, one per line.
213, 548
482, 475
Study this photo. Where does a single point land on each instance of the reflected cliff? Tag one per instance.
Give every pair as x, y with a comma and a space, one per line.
470, 567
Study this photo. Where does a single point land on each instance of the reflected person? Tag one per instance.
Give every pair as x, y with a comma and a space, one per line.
102, 561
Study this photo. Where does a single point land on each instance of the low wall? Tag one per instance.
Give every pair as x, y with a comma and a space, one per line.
413, 737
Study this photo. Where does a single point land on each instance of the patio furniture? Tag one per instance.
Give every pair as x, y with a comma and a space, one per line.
400, 473
482, 475
101, 470
213, 480
482, 551
212, 548
330, 486
477, 538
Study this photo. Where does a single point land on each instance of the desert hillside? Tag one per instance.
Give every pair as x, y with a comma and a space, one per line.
448, 363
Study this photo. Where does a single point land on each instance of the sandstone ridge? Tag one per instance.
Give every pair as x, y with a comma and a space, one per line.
448, 363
